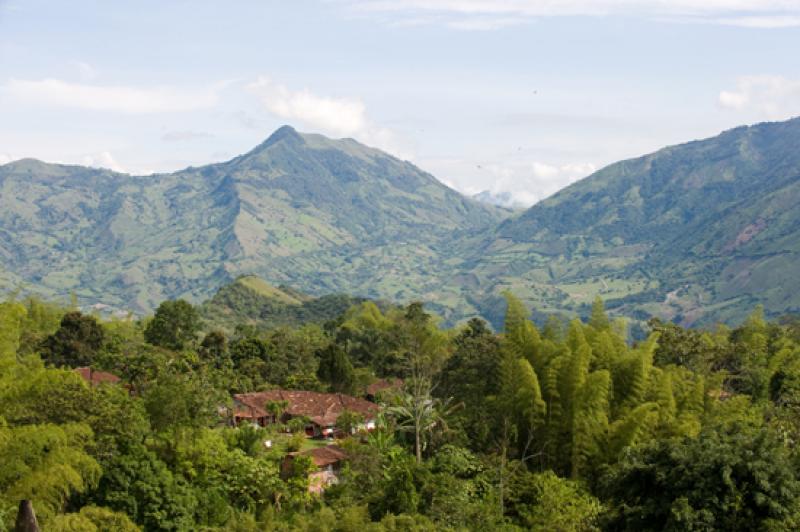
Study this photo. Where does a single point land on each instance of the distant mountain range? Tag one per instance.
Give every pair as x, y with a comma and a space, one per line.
698, 232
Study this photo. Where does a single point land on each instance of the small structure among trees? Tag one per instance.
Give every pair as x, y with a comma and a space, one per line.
327, 463
94, 377
321, 410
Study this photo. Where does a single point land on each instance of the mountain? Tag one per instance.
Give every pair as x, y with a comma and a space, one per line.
250, 300
300, 209
698, 232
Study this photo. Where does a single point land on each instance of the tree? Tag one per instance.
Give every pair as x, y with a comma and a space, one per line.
521, 338
522, 401
728, 478
425, 349
452, 491
214, 349
174, 326
543, 501
183, 400
76, 342
420, 414
370, 339
336, 369
41, 320
690, 348
92, 518
471, 376
398, 493
598, 319
348, 422
44, 463
11, 316
142, 486
118, 420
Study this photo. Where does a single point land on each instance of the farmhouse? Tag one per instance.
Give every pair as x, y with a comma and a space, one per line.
322, 410
328, 461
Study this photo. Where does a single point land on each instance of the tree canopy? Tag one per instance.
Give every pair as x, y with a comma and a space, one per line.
571, 426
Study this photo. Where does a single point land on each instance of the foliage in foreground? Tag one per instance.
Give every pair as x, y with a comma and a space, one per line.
568, 427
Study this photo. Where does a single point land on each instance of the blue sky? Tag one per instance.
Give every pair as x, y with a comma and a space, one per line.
519, 96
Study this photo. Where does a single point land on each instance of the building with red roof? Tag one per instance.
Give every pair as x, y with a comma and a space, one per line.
321, 409
328, 461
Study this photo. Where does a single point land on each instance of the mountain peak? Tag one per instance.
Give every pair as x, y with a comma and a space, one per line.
283, 133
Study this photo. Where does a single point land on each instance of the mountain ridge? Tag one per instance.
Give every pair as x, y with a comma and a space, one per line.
693, 232
294, 207
660, 223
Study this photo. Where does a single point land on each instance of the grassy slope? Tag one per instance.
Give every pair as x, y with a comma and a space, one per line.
695, 232
251, 301
326, 215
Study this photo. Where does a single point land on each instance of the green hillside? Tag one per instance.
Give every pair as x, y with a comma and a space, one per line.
252, 301
696, 232
324, 215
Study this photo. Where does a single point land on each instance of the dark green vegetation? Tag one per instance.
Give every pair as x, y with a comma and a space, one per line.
695, 233
568, 427
251, 301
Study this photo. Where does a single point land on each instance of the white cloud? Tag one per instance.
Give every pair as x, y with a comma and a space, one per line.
478, 14
514, 183
733, 100
132, 100
340, 116
766, 22
484, 23
5, 158
102, 160
771, 97
345, 117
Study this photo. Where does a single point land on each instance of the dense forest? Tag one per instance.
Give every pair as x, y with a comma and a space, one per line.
570, 426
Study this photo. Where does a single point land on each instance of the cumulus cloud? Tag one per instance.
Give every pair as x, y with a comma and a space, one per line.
511, 184
184, 136
468, 14
772, 97
337, 116
132, 100
5, 158
341, 116
102, 160
529, 183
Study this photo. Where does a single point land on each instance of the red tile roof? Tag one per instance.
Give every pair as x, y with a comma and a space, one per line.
324, 456
95, 377
321, 408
